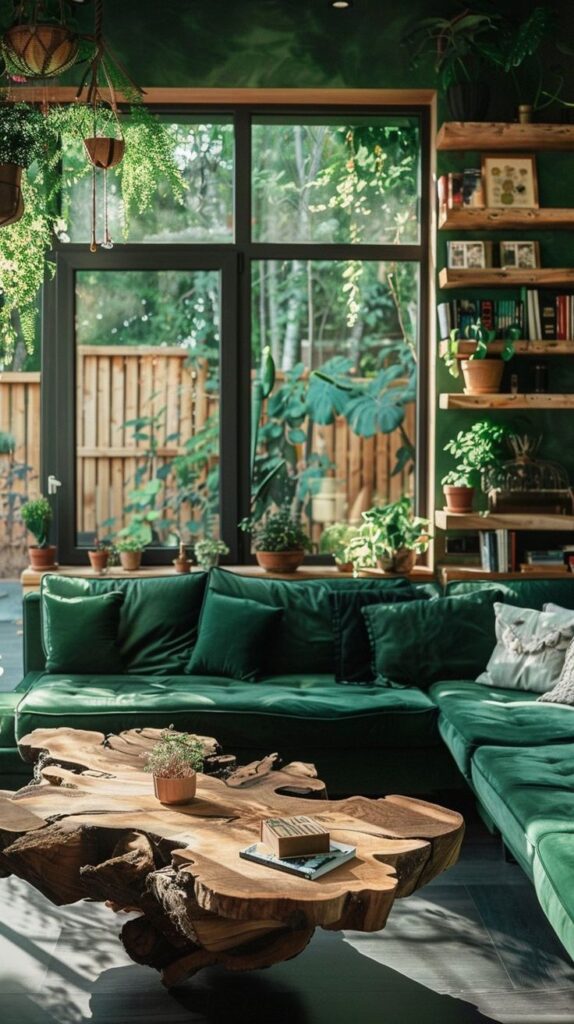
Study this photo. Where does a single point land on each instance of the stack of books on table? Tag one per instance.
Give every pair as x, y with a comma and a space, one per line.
299, 846
553, 559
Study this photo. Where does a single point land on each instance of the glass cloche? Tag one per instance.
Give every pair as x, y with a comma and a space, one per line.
527, 483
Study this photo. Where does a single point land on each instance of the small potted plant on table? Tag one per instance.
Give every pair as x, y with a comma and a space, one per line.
37, 517
482, 373
476, 450
335, 541
279, 540
174, 763
208, 552
389, 538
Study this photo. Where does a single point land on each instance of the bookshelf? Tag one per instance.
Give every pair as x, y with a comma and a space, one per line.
521, 348
498, 135
506, 401
491, 218
501, 277
502, 521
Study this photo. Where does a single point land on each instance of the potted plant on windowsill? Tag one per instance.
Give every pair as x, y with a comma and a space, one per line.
174, 763
279, 540
208, 552
99, 555
482, 373
130, 550
389, 538
475, 450
37, 517
334, 541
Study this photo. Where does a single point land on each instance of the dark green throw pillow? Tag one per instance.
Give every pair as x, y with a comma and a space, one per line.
234, 634
420, 642
80, 634
353, 658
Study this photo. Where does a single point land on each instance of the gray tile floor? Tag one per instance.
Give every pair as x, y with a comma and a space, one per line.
473, 947
11, 668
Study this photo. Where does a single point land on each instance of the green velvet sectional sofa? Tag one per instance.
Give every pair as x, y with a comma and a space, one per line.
307, 698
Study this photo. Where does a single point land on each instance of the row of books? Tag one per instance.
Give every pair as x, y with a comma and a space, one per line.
498, 554
497, 315
540, 315
461, 188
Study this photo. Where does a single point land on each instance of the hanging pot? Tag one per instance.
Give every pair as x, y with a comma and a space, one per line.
468, 101
11, 201
39, 50
104, 151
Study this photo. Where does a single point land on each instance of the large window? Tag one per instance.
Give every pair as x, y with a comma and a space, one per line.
306, 236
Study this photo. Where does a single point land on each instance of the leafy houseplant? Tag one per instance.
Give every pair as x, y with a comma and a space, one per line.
475, 450
482, 374
208, 551
174, 763
99, 555
37, 517
130, 550
334, 541
279, 540
390, 538
20, 135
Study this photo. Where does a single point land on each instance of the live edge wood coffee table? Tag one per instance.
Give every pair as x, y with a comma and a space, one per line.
91, 827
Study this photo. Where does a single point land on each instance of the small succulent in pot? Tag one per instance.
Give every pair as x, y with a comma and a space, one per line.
174, 763
279, 539
37, 517
389, 538
208, 552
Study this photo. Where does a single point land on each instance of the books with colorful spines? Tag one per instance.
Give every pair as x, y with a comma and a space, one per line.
305, 867
455, 183
487, 314
548, 316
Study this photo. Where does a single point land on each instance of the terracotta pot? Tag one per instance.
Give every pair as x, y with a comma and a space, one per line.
11, 201
482, 376
40, 51
130, 560
105, 151
175, 791
99, 559
42, 558
280, 561
182, 565
403, 561
344, 566
458, 499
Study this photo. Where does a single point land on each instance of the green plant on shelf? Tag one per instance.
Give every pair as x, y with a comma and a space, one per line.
208, 551
37, 517
475, 450
335, 539
385, 531
277, 531
482, 338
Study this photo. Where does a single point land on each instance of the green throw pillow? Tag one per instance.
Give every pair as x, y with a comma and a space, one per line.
420, 642
234, 635
80, 634
353, 659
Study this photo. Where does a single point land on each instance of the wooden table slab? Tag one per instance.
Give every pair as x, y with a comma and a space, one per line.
91, 827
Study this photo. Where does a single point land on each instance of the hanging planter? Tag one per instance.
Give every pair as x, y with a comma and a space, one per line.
39, 50
104, 151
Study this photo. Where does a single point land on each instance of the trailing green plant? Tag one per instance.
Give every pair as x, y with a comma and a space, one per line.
37, 517
335, 540
385, 531
21, 133
208, 551
177, 755
482, 337
455, 44
277, 531
475, 450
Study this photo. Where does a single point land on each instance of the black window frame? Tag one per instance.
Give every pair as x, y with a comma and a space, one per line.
58, 343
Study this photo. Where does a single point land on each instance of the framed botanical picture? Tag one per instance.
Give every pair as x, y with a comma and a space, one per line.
469, 255
510, 180
520, 255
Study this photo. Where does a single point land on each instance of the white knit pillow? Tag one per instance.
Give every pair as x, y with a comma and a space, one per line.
563, 692
531, 648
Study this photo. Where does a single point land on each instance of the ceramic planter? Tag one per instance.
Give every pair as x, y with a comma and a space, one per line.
42, 558
11, 201
175, 791
99, 559
40, 50
403, 561
104, 151
130, 560
482, 376
458, 499
280, 561
344, 566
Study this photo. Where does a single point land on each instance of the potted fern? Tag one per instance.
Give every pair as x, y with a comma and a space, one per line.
174, 763
37, 517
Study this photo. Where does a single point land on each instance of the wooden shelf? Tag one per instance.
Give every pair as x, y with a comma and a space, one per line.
502, 521
491, 218
521, 348
506, 401
448, 573
499, 135
499, 277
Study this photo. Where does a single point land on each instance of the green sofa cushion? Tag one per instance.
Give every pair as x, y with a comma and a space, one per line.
280, 711
8, 704
158, 621
353, 657
235, 637
529, 593
553, 869
419, 642
527, 792
80, 634
304, 641
472, 716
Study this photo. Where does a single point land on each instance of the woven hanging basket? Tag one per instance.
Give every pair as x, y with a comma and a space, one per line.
11, 201
39, 51
105, 151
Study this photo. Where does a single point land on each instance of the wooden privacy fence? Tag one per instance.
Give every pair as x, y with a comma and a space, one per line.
20, 467
116, 385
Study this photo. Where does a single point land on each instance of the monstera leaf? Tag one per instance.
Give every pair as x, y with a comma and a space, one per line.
329, 390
